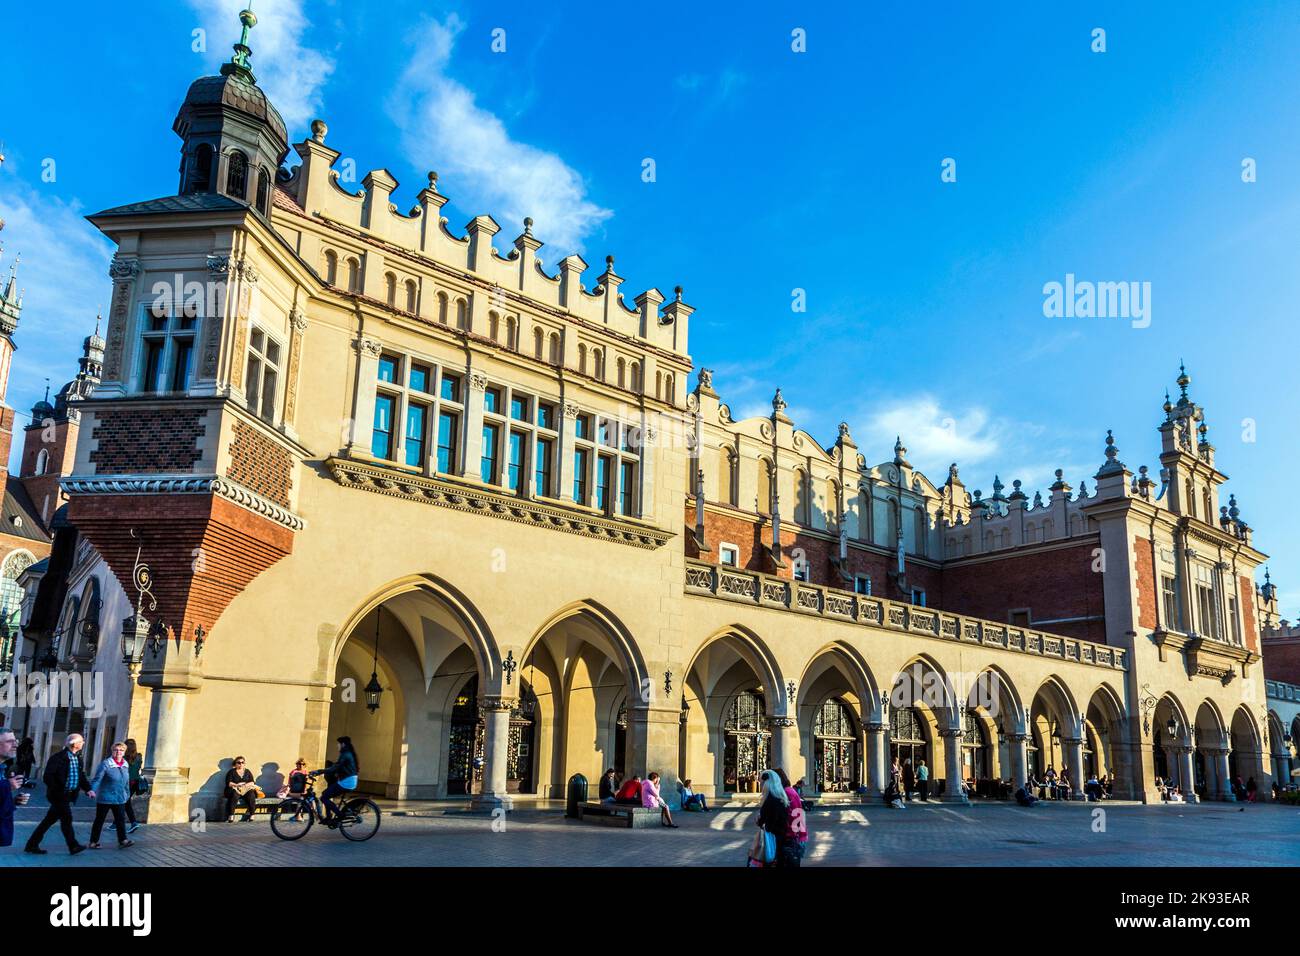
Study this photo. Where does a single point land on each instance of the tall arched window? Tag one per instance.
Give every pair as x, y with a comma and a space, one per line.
727, 476
264, 191
598, 360
494, 326
764, 486
331, 267
442, 308
512, 333
864, 516
636, 377
746, 744
802, 506
556, 354
237, 176
410, 295
42, 462
670, 390
582, 359
390, 289
537, 343
201, 169
354, 275
462, 315
1191, 500
622, 372
834, 505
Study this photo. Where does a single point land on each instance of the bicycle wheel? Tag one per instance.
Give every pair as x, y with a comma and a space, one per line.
292, 819
359, 820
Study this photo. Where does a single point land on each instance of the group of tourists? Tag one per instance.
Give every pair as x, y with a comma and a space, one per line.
645, 793
114, 781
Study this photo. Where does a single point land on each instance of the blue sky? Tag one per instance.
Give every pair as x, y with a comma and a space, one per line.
776, 171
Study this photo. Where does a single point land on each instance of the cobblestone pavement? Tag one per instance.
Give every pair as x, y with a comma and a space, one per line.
1208, 835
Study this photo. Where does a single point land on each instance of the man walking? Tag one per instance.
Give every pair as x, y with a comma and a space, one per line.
8, 747
63, 778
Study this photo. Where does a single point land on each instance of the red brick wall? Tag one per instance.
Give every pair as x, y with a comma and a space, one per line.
259, 464
1282, 659
1052, 584
1146, 582
203, 550
750, 537
1248, 612
144, 441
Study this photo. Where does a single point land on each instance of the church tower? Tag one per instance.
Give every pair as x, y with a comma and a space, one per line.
11, 307
1187, 457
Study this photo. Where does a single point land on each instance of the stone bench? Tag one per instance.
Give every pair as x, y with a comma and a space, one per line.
619, 815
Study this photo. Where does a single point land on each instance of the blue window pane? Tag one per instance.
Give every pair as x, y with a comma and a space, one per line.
516, 477
580, 426
387, 369
419, 378
492, 400
446, 443
488, 462
381, 442
415, 416
580, 476
451, 388
602, 482
545, 415
519, 409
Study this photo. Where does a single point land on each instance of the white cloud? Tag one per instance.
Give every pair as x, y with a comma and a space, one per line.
444, 129
292, 74
64, 278
933, 435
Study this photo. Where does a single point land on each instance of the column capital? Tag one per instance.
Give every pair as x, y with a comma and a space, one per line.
875, 727
496, 702
782, 722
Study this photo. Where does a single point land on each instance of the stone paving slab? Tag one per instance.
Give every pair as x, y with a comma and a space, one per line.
1050, 834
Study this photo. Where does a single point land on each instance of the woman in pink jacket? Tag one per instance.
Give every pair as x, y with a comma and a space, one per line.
650, 799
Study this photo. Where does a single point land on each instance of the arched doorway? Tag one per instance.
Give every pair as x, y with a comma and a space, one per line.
974, 748
837, 759
1209, 762
466, 734
908, 736
1246, 758
746, 741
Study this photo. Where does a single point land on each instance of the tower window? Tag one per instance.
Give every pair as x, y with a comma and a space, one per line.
201, 169
168, 351
237, 176
263, 374
264, 191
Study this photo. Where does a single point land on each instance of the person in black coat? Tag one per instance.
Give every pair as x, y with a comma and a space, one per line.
240, 789
8, 743
608, 786
64, 778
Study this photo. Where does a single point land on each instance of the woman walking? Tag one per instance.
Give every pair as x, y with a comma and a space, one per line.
796, 832
773, 820
134, 761
112, 787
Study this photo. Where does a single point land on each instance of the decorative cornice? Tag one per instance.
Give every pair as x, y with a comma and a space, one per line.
183, 485
434, 491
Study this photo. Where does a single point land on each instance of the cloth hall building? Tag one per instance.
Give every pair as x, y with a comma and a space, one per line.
338, 446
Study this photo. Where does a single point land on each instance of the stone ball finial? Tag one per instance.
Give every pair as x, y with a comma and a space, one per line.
609, 263
677, 293
1060, 474
318, 130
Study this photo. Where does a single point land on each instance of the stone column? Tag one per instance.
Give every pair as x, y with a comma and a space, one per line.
877, 758
172, 672
653, 738
363, 400
1187, 773
785, 752
472, 446
1073, 752
952, 765
1018, 749
496, 753
1224, 774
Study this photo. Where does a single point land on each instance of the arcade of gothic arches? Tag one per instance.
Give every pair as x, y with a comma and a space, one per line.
576, 688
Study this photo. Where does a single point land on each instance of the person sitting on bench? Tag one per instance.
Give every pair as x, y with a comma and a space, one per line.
650, 799
630, 793
240, 789
1025, 795
608, 786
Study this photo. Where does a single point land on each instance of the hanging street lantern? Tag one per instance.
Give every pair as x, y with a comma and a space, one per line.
373, 690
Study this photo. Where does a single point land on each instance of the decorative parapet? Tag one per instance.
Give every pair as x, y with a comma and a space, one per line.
1280, 690
764, 590
436, 491
183, 485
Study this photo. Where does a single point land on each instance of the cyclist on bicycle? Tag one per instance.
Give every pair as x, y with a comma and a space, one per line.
341, 777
